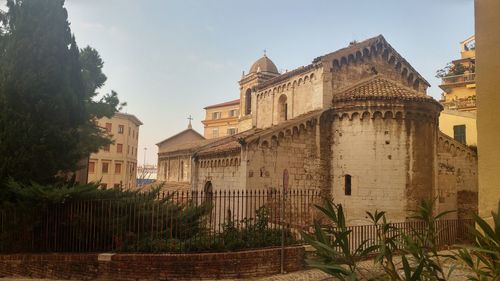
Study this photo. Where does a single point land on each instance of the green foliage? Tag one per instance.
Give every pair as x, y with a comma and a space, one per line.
483, 257
452, 69
420, 258
422, 246
245, 234
47, 94
387, 244
27, 209
94, 137
333, 250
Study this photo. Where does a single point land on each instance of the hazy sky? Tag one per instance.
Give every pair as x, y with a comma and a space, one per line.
169, 59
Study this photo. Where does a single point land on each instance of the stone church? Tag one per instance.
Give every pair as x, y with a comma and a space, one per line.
355, 124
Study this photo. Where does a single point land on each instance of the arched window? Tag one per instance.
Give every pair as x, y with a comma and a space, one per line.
248, 102
283, 108
209, 192
347, 184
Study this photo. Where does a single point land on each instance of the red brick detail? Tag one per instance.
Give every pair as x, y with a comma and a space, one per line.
133, 266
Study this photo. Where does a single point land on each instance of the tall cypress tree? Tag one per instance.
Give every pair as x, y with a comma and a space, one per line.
45, 105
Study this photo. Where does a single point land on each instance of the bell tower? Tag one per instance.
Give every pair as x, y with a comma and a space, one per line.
260, 71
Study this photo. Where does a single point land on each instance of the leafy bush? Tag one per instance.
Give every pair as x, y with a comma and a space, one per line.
248, 233
83, 210
333, 252
419, 250
423, 248
483, 257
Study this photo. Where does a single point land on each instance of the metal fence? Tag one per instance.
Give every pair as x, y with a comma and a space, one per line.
173, 221
183, 222
448, 232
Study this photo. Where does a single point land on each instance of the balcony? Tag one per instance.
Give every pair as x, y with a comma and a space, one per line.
460, 104
459, 79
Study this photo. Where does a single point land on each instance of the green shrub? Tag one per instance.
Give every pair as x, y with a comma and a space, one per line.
483, 257
420, 258
248, 233
331, 241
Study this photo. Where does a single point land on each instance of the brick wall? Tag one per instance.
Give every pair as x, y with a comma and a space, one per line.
206, 266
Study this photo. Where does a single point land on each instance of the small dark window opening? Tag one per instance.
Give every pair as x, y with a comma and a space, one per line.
347, 184
459, 133
248, 102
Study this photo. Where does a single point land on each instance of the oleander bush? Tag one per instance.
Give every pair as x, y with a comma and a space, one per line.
413, 255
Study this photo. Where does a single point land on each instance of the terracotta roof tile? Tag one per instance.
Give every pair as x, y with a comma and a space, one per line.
227, 103
378, 87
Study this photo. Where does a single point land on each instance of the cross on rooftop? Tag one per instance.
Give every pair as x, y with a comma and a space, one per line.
190, 119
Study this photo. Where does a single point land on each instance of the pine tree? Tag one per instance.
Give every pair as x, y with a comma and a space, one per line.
47, 111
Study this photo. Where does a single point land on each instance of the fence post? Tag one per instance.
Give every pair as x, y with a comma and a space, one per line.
282, 215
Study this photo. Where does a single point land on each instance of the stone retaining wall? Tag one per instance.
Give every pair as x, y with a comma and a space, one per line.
136, 266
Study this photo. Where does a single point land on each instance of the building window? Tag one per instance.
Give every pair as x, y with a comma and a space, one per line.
347, 184
215, 133
104, 185
283, 108
233, 113
117, 185
121, 129
119, 148
105, 167
128, 149
232, 131
216, 115
248, 102
208, 190
118, 168
92, 167
459, 133
106, 147
108, 127
129, 131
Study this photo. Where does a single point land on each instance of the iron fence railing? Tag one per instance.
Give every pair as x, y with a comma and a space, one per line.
183, 222
172, 221
449, 232
462, 78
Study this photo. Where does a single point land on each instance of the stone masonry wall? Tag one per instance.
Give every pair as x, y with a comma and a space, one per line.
304, 93
389, 156
297, 152
222, 171
347, 74
457, 178
372, 150
170, 168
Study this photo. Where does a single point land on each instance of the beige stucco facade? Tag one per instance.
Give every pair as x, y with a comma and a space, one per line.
355, 124
448, 119
459, 96
488, 60
115, 166
221, 119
